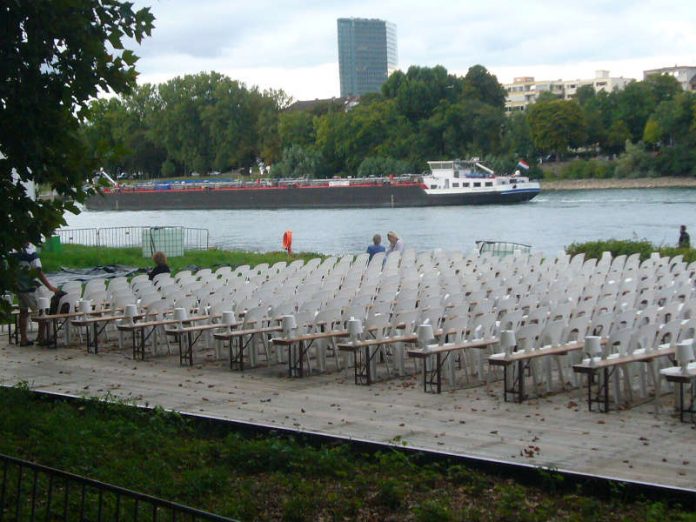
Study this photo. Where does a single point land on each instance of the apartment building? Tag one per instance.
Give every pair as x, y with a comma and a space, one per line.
685, 75
525, 90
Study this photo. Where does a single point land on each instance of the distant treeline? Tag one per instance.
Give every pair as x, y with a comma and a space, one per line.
209, 122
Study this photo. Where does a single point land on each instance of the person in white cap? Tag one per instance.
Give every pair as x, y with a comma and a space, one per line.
395, 244
26, 291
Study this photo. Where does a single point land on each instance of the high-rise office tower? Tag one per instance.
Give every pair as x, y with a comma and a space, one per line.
367, 54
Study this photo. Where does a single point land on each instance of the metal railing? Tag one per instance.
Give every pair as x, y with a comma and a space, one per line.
502, 248
30, 491
193, 238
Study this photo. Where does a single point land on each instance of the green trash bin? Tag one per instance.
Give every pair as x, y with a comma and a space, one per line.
52, 244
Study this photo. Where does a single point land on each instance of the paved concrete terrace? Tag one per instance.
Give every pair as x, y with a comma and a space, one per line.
555, 431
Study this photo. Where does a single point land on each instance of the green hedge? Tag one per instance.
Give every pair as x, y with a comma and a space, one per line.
617, 247
583, 169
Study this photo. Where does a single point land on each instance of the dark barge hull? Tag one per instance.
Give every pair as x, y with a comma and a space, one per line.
380, 196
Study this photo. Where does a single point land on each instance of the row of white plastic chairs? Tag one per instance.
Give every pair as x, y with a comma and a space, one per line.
202, 290
207, 284
324, 315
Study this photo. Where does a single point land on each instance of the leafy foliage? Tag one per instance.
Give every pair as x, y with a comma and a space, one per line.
557, 125
586, 169
210, 122
55, 57
381, 166
298, 162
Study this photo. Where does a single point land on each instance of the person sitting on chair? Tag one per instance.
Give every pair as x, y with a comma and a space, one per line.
161, 266
395, 244
375, 247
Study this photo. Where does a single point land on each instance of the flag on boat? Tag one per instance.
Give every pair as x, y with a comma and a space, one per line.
523, 164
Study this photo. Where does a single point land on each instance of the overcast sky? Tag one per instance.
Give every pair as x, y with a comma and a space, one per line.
292, 45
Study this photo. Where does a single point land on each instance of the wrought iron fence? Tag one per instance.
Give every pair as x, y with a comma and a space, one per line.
31, 491
192, 238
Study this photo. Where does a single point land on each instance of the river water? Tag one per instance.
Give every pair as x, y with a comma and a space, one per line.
549, 222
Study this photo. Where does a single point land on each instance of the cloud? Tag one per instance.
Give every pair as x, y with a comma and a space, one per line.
293, 45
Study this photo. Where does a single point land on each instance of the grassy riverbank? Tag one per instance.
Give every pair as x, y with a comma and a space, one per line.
274, 478
78, 256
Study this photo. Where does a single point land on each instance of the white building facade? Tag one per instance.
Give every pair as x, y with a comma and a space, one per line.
685, 75
525, 90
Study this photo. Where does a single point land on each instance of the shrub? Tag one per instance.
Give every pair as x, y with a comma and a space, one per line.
636, 162
587, 169
381, 166
617, 247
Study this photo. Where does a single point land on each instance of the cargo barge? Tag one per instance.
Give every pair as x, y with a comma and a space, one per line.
449, 183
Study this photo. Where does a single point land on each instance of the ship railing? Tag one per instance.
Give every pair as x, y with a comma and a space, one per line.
131, 237
268, 182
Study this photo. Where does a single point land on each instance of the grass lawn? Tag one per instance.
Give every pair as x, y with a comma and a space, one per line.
78, 256
274, 478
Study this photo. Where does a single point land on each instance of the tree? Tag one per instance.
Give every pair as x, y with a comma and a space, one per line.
653, 133
617, 136
663, 87
54, 57
483, 86
296, 128
634, 105
556, 125
421, 89
518, 136
383, 166
585, 94
674, 117
117, 132
298, 162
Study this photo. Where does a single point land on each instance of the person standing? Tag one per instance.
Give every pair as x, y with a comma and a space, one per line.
26, 292
684, 239
395, 244
375, 247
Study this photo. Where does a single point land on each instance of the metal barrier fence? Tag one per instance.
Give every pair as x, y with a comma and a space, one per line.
34, 492
502, 248
192, 238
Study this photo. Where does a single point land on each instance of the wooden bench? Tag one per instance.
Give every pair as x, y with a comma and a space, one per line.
243, 338
520, 361
608, 366
58, 322
365, 351
192, 334
432, 376
677, 375
299, 345
139, 345
95, 321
